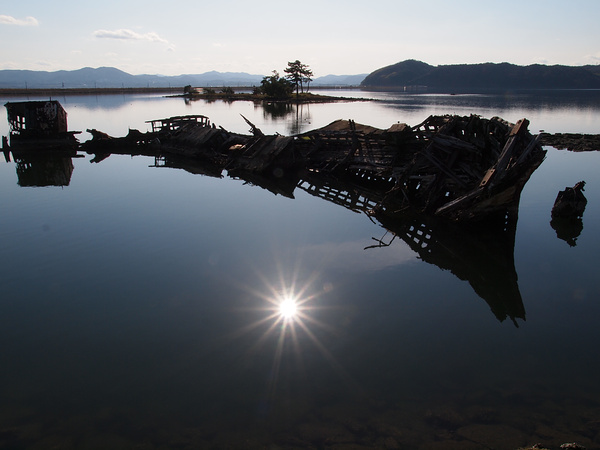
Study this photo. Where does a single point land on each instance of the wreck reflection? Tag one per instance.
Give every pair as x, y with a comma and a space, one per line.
189, 165
480, 253
42, 169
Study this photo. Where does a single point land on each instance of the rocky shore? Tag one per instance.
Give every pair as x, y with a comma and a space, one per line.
574, 142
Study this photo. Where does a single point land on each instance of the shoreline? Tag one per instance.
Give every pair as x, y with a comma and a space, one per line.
176, 92
87, 91
307, 97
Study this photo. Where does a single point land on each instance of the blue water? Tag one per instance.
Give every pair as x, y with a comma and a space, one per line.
139, 303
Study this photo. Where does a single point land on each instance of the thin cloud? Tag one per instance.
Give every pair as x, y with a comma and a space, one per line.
124, 34
26, 22
595, 57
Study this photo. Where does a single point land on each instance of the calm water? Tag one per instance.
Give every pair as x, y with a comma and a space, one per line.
138, 303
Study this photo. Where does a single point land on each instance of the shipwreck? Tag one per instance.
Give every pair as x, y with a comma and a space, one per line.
449, 187
461, 168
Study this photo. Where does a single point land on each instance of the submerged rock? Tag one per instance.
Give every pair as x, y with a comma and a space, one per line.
567, 213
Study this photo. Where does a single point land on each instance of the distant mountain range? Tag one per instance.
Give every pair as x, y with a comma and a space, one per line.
488, 76
406, 74
109, 77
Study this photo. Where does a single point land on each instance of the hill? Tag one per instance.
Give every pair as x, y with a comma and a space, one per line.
487, 76
110, 77
339, 80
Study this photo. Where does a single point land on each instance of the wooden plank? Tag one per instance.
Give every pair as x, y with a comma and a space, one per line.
443, 168
507, 153
457, 203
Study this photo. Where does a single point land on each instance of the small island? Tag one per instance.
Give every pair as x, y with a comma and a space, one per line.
273, 88
230, 95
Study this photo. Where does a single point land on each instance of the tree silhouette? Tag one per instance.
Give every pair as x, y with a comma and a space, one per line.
298, 74
275, 86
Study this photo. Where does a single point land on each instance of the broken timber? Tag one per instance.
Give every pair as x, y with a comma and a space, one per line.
462, 168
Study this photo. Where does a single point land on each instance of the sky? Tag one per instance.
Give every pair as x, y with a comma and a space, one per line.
332, 37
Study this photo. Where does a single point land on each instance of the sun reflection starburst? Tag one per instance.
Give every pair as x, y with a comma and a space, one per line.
288, 308
293, 322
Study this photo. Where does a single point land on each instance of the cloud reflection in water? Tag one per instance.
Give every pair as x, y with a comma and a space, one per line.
352, 256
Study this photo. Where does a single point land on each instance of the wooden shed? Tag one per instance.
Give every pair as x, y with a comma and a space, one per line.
38, 123
36, 118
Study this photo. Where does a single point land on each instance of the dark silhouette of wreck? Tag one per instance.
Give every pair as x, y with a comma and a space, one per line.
40, 143
448, 187
38, 124
459, 168
480, 253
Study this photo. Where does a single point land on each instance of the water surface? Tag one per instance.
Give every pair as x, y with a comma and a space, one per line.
138, 303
